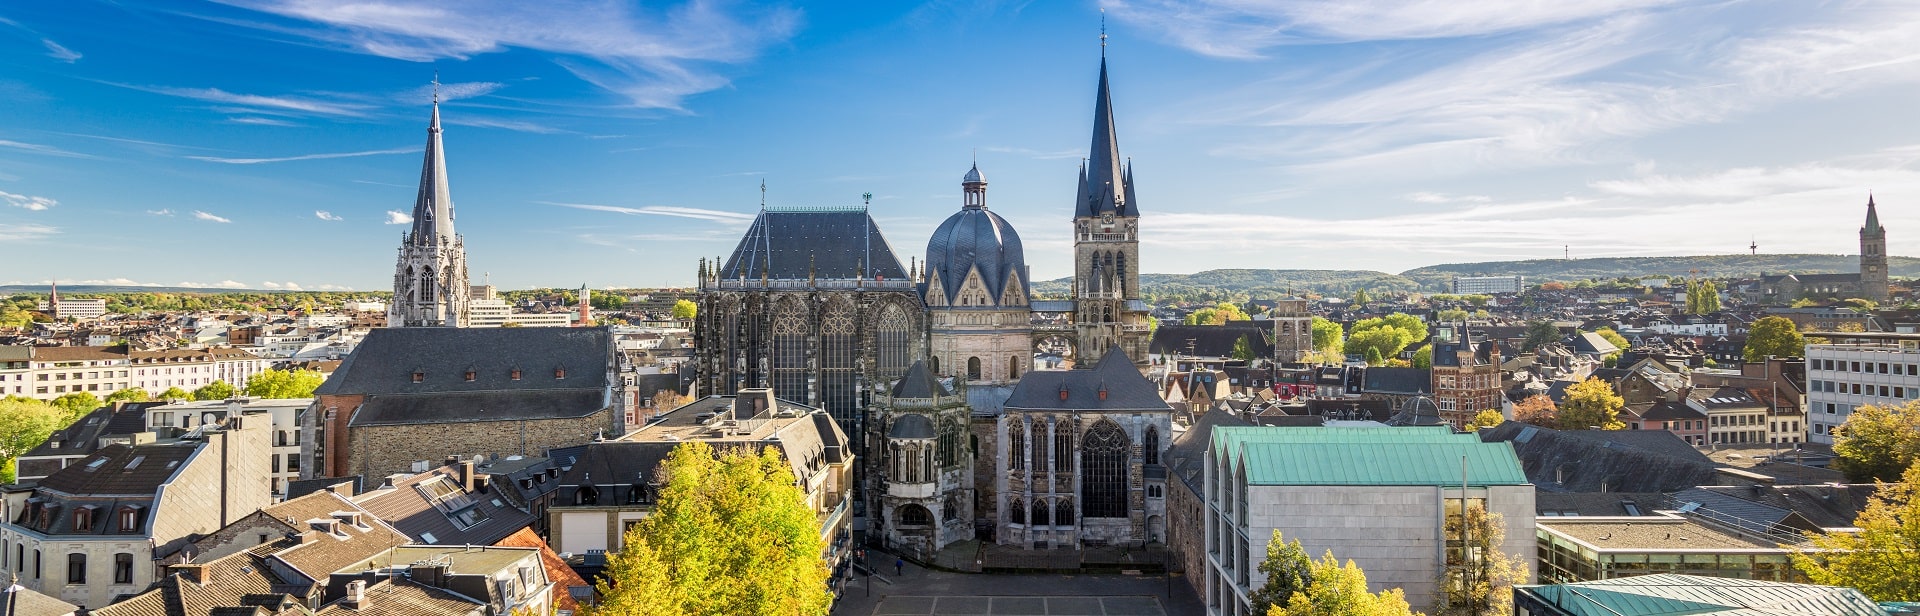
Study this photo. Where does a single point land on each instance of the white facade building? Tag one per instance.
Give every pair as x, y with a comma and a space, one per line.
1877, 369
1486, 285
498, 313
284, 434
75, 308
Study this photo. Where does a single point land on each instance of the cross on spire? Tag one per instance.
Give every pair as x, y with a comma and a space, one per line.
436, 86
1103, 33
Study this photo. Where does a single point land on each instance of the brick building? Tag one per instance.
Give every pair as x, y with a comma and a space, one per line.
1466, 374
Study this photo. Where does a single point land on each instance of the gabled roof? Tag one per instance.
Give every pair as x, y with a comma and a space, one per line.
822, 243
19, 600
1364, 456
1408, 381
386, 361
122, 470
432, 508
1209, 340
1125, 388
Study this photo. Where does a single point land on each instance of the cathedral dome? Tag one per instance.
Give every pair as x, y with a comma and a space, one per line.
973, 176
976, 237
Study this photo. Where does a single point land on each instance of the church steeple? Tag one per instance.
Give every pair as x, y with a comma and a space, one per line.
1106, 180
433, 205
430, 277
1873, 218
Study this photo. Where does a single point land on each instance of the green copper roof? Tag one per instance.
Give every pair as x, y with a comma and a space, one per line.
1668, 594
1365, 456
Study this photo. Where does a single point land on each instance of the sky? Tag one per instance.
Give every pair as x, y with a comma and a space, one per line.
276, 144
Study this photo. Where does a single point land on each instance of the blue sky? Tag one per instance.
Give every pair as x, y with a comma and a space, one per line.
269, 143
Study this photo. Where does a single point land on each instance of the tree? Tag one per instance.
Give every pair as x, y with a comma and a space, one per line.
1539, 333
1288, 571
1328, 338
285, 383
174, 393
1243, 349
1380, 342
1538, 410
77, 403
1883, 558
25, 423
217, 390
1878, 443
1341, 591
667, 400
1592, 403
1775, 336
1217, 314
732, 534
1451, 315
685, 310
1423, 358
130, 394
1482, 586
1360, 297
1486, 419
1374, 358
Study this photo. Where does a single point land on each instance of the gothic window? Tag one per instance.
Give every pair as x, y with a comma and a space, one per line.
1039, 447
933, 363
1040, 513
1063, 447
413, 284
1013, 367
914, 515
1063, 512
1016, 444
1017, 510
891, 335
950, 509
973, 368
1120, 276
839, 346
1151, 446
426, 284
1103, 468
949, 443
790, 350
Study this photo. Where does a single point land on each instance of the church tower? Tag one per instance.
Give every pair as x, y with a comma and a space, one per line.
1108, 312
1873, 256
430, 277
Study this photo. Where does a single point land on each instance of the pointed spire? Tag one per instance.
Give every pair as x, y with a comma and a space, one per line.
433, 205
1105, 182
1873, 217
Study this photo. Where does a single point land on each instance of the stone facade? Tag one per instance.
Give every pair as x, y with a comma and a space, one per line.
923, 475
430, 276
378, 451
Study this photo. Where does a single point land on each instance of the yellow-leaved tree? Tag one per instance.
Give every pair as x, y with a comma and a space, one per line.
1883, 559
1591, 404
732, 534
1336, 590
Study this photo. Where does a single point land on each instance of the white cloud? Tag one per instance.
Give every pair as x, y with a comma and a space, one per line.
57, 52
257, 103
513, 125
1433, 197
16, 232
282, 159
452, 91
209, 217
281, 286
397, 217
1241, 29
224, 284
41, 149
653, 56
326, 215
664, 210
160, 212
259, 121
29, 202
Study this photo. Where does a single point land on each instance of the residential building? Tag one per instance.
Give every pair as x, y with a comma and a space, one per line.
1466, 374
1392, 488
46, 373
1662, 594
430, 277
102, 527
1488, 285
285, 417
1733, 416
489, 312
16, 370
57, 371
117, 424
63, 308
190, 369
1856, 370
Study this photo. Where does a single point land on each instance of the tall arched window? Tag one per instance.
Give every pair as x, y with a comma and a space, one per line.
1063, 512
891, 334
1013, 367
427, 283
1016, 444
790, 350
1017, 510
413, 285
838, 347
1063, 446
1150, 445
1041, 511
1039, 446
950, 508
933, 363
1103, 471
973, 368
949, 443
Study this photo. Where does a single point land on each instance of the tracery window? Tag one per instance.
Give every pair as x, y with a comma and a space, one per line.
1063, 447
1017, 510
426, 284
1039, 446
839, 345
1041, 511
1016, 444
949, 443
1103, 468
915, 515
1063, 512
1151, 445
950, 509
790, 350
892, 331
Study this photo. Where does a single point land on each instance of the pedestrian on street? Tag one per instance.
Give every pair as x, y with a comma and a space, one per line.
899, 566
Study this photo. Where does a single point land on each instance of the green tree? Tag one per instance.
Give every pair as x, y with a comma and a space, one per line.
1243, 349
1361, 298
685, 310
1217, 314
1288, 571
1423, 358
1337, 590
1451, 315
1539, 333
1486, 419
1380, 342
77, 403
25, 423
732, 534
175, 393
1613, 337
1479, 580
1775, 336
1883, 558
1878, 443
1374, 358
1329, 338
130, 394
1592, 403
285, 383
217, 390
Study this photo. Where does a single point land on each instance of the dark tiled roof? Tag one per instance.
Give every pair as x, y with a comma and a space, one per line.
1411, 381
911, 425
975, 237
407, 507
1548, 504
479, 406
1671, 411
828, 244
918, 383
1827, 506
83, 435
1209, 340
1561, 462
121, 470
1658, 441
1186, 455
386, 361
1125, 388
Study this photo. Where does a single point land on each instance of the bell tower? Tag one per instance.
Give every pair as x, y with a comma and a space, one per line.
1108, 312
1873, 256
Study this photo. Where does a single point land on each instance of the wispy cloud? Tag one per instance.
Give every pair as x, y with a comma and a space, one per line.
29, 202
452, 91
209, 217
664, 210
17, 232
513, 125
1242, 29
397, 217
1432, 197
259, 103
326, 215
57, 52
260, 121
652, 56
36, 148
282, 159
160, 212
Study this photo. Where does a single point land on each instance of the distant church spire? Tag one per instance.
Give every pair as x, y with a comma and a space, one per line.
1873, 217
430, 277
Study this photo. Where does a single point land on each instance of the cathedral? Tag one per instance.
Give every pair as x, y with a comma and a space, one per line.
430, 277
933, 370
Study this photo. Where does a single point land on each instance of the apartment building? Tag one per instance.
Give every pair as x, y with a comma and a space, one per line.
46, 373
1859, 369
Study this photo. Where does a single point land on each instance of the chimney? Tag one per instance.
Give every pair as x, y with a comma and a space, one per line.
466, 474
356, 594
192, 572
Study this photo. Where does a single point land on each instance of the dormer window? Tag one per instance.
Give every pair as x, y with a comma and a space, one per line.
469, 375
129, 520
559, 373
83, 519
419, 377
516, 374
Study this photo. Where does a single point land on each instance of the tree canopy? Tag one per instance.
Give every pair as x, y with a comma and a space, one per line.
1388, 335
1883, 559
1590, 404
285, 383
1217, 314
1486, 419
1288, 570
1539, 333
25, 423
732, 534
1878, 443
130, 394
1702, 297
1423, 358
1243, 349
685, 309
1328, 338
1489, 578
175, 393
217, 390
1775, 336
1538, 410
77, 403
1335, 590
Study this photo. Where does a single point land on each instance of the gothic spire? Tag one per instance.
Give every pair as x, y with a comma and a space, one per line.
433, 206
1106, 180
1873, 217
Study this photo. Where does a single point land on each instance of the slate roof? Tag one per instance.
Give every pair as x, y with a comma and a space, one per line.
1825, 505
385, 362
1446, 353
911, 426
83, 435
976, 237
407, 506
1550, 504
919, 383
433, 204
1669, 594
1559, 461
1127, 389
1671, 411
1186, 456
122, 470
1407, 381
1657, 441
1745, 514
832, 243
1208, 340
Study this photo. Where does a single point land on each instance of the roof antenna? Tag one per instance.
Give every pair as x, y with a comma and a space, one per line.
1103, 33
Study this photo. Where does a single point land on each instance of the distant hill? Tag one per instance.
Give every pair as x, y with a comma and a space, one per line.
1437, 277
1257, 283
83, 289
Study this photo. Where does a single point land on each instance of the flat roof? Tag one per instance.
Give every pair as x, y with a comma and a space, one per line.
1667, 533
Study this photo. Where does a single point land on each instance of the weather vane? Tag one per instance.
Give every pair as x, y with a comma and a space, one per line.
866, 198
